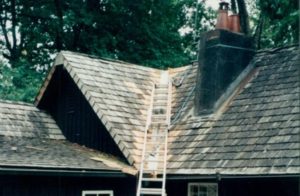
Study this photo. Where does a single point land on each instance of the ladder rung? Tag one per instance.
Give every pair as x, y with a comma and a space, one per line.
157, 129
153, 179
158, 110
158, 124
159, 115
154, 161
157, 155
160, 90
161, 86
160, 135
159, 170
161, 97
160, 102
154, 151
159, 119
151, 191
155, 142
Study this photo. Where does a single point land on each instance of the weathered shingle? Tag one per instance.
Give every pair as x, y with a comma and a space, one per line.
256, 131
30, 138
118, 92
25, 120
54, 154
259, 131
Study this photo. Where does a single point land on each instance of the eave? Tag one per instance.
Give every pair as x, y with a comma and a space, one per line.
38, 171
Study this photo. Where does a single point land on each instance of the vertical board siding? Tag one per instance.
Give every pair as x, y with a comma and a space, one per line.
73, 114
11, 185
243, 187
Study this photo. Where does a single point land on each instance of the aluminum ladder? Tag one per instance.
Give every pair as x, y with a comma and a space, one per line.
152, 176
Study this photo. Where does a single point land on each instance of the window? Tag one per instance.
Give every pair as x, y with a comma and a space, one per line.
202, 189
97, 193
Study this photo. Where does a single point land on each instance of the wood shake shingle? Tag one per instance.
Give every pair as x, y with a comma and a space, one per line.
259, 131
30, 139
255, 131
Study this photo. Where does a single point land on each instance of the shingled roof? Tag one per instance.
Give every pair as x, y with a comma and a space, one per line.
30, 139
118, 92
256, 131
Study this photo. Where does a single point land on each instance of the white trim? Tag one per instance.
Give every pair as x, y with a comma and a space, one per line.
98, 193
201, 184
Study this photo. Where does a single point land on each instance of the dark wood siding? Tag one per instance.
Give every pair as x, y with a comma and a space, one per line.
260, 187
243, 187
75, 116
63, 186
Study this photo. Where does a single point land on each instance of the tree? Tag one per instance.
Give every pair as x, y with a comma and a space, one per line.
278, 22
139, 31
9, 23
240, 6
143, 32
18, 83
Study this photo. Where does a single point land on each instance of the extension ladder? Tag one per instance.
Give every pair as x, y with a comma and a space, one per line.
152, 176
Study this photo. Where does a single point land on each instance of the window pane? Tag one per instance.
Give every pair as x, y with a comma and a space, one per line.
203, 190
211, 190
195, 189
97, 193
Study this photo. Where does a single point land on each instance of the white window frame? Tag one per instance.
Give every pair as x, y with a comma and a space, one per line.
201, 184
98, 193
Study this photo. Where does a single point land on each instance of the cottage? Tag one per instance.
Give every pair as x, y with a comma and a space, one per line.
226, 125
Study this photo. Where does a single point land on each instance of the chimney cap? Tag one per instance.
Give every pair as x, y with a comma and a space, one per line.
223, 5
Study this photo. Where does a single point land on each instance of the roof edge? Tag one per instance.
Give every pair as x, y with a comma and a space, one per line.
227, 176
109, 60
62, 172
6, 101
59, 60
276, 49
62, 60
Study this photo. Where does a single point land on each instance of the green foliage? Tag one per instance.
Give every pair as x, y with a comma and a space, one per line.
143, 32
138, 31
198, 19
19, 83
281, 22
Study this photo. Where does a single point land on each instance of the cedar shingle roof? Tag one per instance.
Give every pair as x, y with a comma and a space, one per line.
30, 138
24, 120
118, 92
255, 131
257, 134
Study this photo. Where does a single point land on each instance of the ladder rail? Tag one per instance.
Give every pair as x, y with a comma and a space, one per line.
148, 122
162, 145
169, 104
165, 163
169, 107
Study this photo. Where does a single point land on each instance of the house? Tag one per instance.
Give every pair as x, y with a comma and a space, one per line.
232, 121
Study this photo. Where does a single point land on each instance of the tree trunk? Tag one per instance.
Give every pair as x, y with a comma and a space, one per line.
244, 16
10, 34
233, 6
59, 29
14, 22
258, 32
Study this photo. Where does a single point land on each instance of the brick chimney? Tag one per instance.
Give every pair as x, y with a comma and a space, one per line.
223, 55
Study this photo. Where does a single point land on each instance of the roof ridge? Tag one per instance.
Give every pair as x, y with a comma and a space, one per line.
16, 102
122, 63
276, 49
102, 116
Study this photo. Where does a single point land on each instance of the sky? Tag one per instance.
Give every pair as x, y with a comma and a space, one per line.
213, 3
